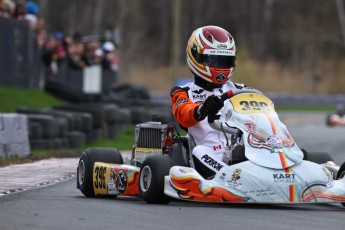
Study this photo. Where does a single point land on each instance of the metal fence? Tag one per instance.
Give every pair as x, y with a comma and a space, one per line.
20, 62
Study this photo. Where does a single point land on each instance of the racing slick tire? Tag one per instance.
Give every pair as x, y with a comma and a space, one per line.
85, 166
317, 157
151, 182
341, 174
329, 120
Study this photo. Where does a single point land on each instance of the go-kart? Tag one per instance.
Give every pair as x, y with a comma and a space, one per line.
270, 169
337, 118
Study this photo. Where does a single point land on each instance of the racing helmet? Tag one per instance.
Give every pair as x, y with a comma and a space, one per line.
211, 54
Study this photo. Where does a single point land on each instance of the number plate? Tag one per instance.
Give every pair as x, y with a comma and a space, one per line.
252, 103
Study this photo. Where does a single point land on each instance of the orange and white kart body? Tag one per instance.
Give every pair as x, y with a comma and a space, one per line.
335, 120
275, 171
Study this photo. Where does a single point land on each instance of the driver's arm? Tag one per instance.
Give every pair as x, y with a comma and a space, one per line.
184, 110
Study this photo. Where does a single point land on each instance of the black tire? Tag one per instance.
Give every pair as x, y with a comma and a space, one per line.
35, 130
328, 120
341, 174
179, 155
76, 139
151, 182
85, 166
317, 157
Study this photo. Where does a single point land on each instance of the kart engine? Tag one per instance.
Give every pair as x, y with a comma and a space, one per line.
149, 140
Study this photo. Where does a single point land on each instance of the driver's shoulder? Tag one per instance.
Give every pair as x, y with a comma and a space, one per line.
232, 85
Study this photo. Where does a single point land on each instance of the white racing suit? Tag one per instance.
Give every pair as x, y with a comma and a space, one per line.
210, 143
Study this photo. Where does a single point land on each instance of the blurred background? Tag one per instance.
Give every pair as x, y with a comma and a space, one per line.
284, 46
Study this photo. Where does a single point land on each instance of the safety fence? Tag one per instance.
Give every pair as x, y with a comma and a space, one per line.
20, 62
81, 84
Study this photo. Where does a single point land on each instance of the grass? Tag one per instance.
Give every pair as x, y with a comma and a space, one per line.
124, 141
12, 98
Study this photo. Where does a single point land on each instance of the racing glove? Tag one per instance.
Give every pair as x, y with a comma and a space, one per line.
211, 106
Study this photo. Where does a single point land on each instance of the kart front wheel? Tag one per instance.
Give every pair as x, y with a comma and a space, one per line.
85, 166
317, 157
151, 182
341, 174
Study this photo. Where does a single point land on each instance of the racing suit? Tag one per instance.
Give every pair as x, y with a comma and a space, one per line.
209, 150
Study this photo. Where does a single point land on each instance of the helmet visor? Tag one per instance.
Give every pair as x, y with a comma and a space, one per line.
216, 61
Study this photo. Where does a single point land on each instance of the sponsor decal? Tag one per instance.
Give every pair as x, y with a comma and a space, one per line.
211, 162
220, 77
329, 177
111, 184
198, 91
284, 178
186, 170
200, 97
222, 52
228, 114
274, 141
234, 181
276, 150
222, 46
147, 151
236, 175
261, 192
121, 181
180, 102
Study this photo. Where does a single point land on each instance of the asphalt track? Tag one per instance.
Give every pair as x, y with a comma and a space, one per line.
62, 206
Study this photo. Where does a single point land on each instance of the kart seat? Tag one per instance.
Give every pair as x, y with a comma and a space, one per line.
238, 155
179, 153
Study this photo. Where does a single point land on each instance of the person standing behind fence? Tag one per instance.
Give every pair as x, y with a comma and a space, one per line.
110, 59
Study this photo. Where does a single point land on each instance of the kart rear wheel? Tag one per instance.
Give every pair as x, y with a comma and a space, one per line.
329, 120
85, 166
317, 157
341, 174
151, 182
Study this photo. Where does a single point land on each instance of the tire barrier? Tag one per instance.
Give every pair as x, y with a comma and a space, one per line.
14, 135
75, 124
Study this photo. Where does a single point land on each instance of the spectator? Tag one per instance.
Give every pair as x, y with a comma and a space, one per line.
110, 59
32, 10
91, 56
40, 32
49, 55
19, 12
7, 8
60, 51
74, 55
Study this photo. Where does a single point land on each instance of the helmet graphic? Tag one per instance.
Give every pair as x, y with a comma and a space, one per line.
211, 54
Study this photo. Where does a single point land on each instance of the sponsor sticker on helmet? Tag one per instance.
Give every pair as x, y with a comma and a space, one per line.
221, 52
220, 77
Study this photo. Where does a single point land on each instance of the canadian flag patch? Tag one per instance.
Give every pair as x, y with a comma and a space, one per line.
217, 147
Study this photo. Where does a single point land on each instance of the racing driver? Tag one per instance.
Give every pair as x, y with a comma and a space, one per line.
211, 55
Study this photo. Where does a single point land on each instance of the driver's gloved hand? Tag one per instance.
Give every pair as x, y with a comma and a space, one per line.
211, 106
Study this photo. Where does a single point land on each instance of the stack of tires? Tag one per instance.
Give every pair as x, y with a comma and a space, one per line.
108, 118
52, 129
138, 100
74, 125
